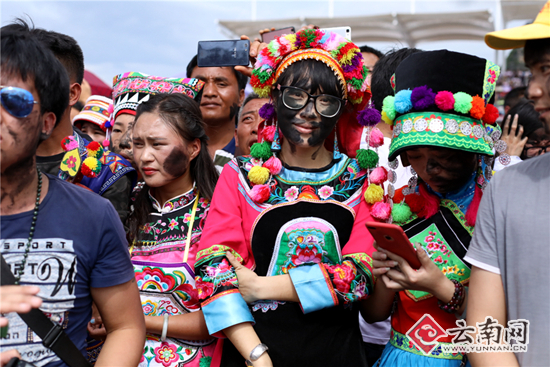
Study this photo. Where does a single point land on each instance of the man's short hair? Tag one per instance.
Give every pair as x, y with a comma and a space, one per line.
371, 50
24, 56
514, 96
252, 96
535, 50
66, 49
383, 71
241, 79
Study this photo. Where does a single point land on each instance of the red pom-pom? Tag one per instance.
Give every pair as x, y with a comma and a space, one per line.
375, 138
444, 100
260, 193
398, 196
478, 107
414, 201
268, 132
381, 210
491, 114
94, 145
86, 171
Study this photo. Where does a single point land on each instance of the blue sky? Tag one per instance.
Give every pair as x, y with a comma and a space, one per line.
160, 37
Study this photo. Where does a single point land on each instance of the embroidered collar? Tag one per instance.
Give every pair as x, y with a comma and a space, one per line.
174, 203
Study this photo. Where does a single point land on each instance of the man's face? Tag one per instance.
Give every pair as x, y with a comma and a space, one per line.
19, 137
538, 89
221, 97
369, 60
246, 132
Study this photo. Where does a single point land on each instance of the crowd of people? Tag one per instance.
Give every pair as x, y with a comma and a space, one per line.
184, 223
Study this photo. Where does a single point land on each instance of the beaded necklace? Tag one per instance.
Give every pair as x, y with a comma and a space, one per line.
31, 232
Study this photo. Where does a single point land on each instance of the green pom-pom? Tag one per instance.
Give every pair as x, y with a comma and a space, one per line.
367, 158
261, 150
388, 106
401, 212
463, 102
205, 361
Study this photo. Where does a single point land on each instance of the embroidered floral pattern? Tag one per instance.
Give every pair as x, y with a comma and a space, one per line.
350, 285
166, 354
325, 192
291, 193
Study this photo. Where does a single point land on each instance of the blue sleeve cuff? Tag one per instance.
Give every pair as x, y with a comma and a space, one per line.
226, 311
312, 286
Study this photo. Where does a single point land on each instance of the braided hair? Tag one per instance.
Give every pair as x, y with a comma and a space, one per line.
182, 114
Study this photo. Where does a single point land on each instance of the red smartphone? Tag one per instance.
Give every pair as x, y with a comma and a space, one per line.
392, 238
270, 36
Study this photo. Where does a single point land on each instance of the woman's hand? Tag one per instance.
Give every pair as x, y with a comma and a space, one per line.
428, 278
380, 262
255, 47
96, 329
248, 280
513, 140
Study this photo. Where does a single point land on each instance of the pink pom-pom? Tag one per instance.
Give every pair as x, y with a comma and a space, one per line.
268, 132
111, 108
274, 165
381, 210
376, 138
444, 100
69, 143
106, 143
378, 176
260, 193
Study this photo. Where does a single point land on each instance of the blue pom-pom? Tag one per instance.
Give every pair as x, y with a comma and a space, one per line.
403, 102
369, 117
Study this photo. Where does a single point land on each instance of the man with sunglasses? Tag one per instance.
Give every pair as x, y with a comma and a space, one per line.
509, 249
55, 235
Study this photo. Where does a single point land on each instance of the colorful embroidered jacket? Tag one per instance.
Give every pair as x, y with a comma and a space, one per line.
311, 227
166, 283
445, 237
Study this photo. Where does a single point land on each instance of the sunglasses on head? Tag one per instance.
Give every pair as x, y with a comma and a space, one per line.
296, 98
17, 101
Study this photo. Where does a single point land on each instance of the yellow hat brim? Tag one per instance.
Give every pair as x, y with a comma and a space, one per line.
516, 37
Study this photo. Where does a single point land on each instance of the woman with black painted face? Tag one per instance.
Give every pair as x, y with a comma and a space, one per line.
169, 146
446, 132
293, 212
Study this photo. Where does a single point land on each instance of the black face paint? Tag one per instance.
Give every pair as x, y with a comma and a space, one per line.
451, 172
177, 162
288, 120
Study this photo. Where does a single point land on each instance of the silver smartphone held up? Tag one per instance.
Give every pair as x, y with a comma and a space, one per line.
342, 31
223, 53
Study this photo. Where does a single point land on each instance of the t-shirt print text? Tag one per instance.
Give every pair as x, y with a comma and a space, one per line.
52, 265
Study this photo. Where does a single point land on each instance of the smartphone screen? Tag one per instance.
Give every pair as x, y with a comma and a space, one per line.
223, 53
270, 36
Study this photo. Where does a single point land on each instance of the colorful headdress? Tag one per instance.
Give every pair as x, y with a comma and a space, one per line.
339, 54
441, 99
130, 89
96, 110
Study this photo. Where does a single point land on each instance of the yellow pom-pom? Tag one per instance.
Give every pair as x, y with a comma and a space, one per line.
258, 175
386, 119
374, 194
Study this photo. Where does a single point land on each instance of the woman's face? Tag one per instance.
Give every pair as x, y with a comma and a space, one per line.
121, 136
305, 127
444, 169
161, 155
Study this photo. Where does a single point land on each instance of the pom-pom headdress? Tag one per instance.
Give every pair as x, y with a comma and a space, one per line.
342, 56
441, 99
97, 110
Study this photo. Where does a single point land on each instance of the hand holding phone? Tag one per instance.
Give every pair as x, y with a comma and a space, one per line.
270, 36
392, 238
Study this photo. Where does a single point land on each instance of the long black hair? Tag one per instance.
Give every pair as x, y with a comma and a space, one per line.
183, 115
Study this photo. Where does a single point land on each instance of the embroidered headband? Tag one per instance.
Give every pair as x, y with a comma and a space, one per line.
335, 51
130, 89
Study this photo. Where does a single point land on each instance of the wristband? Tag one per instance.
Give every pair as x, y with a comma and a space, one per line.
457, 300
164, 328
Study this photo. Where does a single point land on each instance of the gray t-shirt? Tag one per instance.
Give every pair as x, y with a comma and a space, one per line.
512, 238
